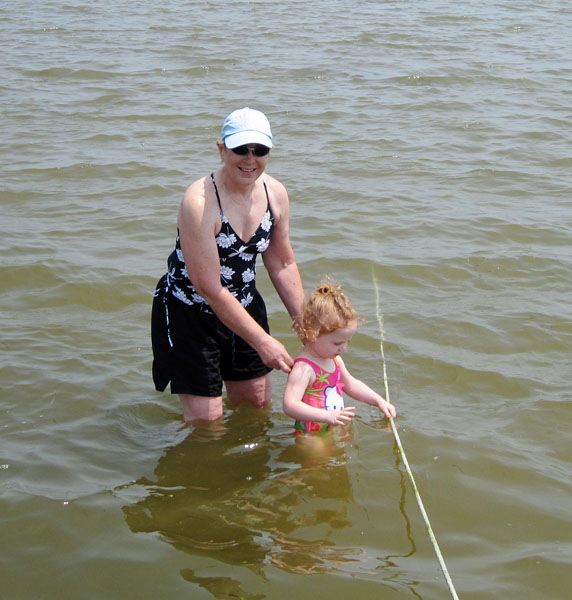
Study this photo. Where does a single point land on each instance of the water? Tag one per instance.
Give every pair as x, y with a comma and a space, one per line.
426, 150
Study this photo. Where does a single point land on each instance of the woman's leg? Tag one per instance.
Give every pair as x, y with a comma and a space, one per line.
201, 408
254, 391
206, 408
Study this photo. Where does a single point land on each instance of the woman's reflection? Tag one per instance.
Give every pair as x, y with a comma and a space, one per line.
249, 498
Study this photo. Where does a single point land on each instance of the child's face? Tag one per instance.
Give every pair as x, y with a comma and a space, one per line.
329, 345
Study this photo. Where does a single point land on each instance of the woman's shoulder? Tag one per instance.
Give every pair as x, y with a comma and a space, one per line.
197, 195
275, 187
277, 196
197, 189
196, 204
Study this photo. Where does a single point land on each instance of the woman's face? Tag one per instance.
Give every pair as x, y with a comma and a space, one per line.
245, 167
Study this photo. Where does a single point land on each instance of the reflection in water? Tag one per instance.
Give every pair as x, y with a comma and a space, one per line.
238, 494
249, 499
220, 587
403, 486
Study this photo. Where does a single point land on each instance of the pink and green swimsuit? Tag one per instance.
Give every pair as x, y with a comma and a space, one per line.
324, 392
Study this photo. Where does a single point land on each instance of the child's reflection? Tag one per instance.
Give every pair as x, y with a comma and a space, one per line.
248, 498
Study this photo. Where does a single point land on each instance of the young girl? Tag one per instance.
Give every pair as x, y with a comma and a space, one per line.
313, 394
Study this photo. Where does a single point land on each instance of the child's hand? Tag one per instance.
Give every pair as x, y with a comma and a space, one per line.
387, 408
343, 416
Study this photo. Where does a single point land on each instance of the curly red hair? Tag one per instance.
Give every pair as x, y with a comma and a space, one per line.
326, 310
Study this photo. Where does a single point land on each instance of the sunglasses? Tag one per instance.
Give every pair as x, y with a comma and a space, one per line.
257, 150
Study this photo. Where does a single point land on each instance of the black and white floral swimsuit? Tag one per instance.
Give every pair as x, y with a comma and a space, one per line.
237, 263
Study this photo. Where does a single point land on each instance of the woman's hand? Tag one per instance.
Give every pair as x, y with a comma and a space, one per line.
273, 354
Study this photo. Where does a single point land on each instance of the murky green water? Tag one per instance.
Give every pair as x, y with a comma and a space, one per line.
426, 150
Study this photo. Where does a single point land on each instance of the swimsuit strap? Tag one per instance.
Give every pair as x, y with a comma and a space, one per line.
267, 198
319, 369
216, 192
312, 364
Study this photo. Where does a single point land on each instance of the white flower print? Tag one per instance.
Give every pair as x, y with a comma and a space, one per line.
180, 255
247, 300
180, 294
262, 244
242, 252
226, 273
198, 299
266, 223
225, 241
171, 273
248, 275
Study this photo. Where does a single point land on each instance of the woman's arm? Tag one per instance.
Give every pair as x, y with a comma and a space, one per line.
358, 390
301, 376
279, 257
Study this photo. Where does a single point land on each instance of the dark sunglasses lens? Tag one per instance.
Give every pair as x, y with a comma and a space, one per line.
258, 151
242, 150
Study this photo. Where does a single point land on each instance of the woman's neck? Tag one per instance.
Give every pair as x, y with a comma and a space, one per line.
241, 191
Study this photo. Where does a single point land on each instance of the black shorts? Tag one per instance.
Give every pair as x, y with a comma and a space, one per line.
204, 352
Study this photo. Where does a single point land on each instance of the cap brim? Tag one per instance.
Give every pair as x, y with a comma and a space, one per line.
247, 137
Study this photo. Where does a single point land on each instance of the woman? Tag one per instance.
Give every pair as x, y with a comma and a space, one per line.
209, 322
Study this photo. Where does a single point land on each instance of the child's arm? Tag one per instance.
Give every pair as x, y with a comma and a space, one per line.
299, 379
358, 390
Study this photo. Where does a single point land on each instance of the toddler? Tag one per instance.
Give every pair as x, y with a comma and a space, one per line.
313, 394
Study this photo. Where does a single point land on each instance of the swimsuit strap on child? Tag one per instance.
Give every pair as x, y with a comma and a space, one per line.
318, 370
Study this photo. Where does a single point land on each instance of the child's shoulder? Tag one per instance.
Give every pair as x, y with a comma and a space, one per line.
303, 362
302, 372
317, 365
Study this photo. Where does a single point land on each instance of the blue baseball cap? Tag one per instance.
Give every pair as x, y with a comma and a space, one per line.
246, 126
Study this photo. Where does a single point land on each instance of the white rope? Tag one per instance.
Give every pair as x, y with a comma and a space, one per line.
404, 458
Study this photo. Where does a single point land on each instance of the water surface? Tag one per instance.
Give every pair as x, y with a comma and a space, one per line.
426, 150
